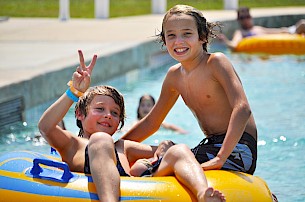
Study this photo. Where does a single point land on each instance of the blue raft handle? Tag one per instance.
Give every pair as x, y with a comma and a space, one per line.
36, 169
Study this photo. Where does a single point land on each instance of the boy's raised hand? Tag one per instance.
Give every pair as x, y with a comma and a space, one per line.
82, 76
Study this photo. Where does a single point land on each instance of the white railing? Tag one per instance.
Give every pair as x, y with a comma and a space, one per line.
158, 6
101, 8
64, 10
230, 4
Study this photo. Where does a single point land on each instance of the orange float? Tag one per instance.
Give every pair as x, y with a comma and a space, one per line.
274, 44
33, 177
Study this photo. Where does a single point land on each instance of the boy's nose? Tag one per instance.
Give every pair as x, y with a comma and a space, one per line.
108, 115
179, 40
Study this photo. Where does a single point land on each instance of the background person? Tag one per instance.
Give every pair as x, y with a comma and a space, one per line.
146, 103
247, 28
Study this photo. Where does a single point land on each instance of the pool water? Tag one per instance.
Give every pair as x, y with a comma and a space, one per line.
275, 87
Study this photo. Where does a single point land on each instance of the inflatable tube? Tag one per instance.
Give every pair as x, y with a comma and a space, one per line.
34, 177
274, 44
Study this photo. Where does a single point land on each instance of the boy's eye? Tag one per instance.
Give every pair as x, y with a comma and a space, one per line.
170, 35
114, 113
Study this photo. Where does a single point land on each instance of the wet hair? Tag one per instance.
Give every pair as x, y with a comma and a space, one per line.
140, 101
206, 30
243, 12
85, 100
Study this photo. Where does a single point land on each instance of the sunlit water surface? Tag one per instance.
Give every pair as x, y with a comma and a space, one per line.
275, 88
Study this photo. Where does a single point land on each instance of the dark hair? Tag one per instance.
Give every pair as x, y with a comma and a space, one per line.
140, 101
243, 12
205, 29
85, 100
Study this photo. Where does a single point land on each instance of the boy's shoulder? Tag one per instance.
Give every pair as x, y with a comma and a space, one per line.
174, 67
217, 56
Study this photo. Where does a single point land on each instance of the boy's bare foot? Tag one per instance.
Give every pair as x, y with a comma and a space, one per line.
211, 195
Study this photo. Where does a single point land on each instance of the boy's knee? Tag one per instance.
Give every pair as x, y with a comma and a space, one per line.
179, 151
100, 140
167, 143
183, 148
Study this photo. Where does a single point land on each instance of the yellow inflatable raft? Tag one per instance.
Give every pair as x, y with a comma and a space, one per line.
33, 177
275, 44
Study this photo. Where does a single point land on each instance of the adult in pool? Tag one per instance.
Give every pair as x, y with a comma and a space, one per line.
247, 28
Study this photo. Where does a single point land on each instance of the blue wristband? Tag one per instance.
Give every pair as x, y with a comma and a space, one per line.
71, 95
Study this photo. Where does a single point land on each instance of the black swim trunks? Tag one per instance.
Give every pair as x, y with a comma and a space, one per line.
243, 158
118, 165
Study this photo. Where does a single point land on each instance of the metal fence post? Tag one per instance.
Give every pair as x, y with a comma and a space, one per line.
101, 8
230, 4
159, 6
64, 10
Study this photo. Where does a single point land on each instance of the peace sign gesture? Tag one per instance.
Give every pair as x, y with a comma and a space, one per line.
82, 76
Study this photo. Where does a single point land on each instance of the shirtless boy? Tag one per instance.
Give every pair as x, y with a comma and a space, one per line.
210, 87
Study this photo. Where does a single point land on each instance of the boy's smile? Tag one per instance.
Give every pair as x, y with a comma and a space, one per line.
106, 124
103, 115
181, 36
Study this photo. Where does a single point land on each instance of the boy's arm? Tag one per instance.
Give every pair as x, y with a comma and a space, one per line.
163, 147
229, 80
56, 136
135, 150
152, 121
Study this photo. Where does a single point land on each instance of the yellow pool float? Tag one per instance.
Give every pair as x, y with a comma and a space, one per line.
54, 182
275, 44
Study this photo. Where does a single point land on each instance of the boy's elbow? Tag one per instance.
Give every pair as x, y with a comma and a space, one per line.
43, 127
245, 108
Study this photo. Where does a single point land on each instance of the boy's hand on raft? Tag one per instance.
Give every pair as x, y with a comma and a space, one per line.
213, 164
82, 76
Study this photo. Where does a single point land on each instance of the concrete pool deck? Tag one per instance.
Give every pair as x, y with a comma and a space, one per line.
38, 55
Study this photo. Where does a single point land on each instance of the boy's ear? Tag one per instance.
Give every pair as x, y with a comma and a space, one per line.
203, 40
80, 116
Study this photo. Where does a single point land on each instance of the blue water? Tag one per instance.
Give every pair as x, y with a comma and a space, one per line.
275, 88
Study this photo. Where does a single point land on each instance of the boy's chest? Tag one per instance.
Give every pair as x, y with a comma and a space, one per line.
198, 86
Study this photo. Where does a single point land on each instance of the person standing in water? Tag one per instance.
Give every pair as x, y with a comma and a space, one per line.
146, 103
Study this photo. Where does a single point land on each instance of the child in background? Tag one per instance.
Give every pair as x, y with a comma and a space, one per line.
146, 103
212, 90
